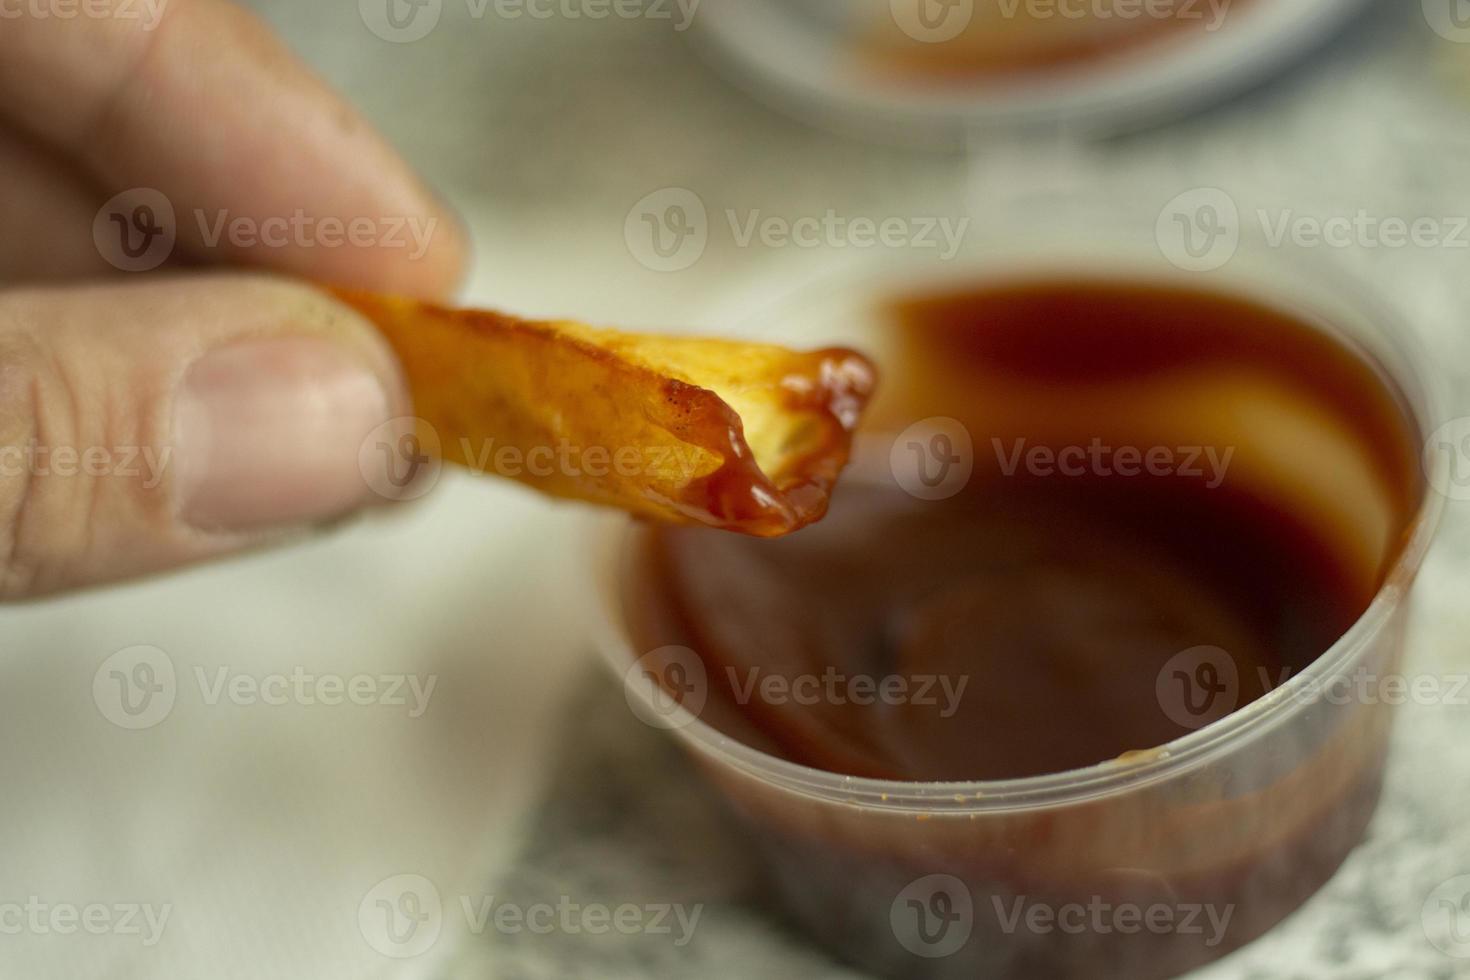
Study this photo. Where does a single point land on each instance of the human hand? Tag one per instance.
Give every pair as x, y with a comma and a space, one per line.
149, 419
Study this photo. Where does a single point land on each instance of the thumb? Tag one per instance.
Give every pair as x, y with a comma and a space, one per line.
148, 425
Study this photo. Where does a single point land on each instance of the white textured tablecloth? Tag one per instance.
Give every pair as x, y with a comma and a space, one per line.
265, 829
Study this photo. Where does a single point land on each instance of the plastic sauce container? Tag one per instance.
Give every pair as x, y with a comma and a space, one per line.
1145, 864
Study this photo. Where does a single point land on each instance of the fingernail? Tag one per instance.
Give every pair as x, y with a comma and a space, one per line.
267, 433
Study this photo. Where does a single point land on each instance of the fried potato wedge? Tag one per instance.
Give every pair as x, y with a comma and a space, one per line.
748, 437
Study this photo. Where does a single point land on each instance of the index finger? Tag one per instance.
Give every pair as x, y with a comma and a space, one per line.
261, 162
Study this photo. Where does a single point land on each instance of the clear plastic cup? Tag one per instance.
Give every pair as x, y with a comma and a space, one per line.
1093, 872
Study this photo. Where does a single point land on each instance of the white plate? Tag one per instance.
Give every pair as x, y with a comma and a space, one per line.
787, 54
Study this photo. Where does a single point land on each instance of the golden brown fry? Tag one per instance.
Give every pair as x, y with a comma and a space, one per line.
749, 437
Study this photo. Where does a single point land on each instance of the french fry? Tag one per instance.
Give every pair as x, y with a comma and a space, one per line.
747, 437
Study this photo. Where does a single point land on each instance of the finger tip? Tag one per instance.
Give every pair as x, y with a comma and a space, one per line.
430, 263
435, 277
445, 266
